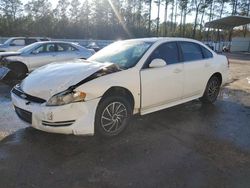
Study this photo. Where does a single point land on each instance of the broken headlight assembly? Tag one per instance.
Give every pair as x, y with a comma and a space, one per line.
66, 97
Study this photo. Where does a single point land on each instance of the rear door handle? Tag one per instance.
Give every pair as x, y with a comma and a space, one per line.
177, 70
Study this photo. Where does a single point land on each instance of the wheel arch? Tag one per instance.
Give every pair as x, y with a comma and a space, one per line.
119, 91
17, 66
218, 75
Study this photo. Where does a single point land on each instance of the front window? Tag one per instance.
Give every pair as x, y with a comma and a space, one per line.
17, 42
45, 48
125, 54
27, 48
7, 42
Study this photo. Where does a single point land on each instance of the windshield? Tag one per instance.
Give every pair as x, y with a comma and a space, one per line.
125, 54
27, 48
8, 41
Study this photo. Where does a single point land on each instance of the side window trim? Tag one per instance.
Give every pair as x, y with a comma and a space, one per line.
181, 59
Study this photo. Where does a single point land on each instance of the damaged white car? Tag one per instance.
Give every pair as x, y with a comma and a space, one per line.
125, 78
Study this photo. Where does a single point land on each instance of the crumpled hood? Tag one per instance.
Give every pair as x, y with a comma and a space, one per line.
57, 77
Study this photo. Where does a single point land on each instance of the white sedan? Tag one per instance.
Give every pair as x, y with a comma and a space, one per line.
38, 54
125, 78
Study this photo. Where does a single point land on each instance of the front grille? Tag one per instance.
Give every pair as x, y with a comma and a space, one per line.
58, 123
17, 91
24, 115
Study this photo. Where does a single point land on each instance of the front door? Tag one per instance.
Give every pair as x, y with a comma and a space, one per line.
42, 55
163, 85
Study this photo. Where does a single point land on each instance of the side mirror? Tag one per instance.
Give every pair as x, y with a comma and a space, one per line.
157, 63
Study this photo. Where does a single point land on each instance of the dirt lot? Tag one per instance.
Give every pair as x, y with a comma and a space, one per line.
190, 145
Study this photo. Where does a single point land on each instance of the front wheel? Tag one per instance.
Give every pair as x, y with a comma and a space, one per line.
212, 90
112, 116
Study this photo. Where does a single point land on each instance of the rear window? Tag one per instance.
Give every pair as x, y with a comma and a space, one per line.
44, 39
191, 51
65, 48
30, 41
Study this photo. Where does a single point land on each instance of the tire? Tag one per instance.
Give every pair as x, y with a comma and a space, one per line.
212, 90
112, 116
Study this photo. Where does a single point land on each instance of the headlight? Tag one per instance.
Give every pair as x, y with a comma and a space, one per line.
66, 97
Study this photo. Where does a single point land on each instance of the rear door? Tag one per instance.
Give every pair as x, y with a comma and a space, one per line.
66, 52
196, 69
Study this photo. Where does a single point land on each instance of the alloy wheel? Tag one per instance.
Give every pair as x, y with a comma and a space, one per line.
113, 117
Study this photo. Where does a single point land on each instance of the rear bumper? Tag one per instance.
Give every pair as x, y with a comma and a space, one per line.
75, 118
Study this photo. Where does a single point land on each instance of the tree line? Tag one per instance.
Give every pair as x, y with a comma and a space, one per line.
116, 19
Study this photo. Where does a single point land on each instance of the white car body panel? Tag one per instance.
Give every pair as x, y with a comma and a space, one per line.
34, 61
118, 79
161, 85
153, 89
81, 112
62, 75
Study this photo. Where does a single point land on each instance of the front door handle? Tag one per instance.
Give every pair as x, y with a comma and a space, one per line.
177, 70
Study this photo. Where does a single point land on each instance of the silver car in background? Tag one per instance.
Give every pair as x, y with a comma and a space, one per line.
38, 54
16, 43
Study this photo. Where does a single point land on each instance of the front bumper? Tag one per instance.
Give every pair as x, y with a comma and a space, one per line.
75, 118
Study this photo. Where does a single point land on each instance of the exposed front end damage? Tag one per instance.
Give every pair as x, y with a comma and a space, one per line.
74, 118
8, 72
112, 68
69, 118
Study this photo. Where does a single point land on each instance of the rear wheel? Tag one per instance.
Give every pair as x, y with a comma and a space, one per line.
112, 116
212, 90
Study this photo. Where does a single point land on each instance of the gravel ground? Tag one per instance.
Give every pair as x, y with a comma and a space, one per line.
190, 145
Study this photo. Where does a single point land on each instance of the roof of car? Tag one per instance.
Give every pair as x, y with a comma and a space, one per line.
29, 37
48, 42
156, 39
